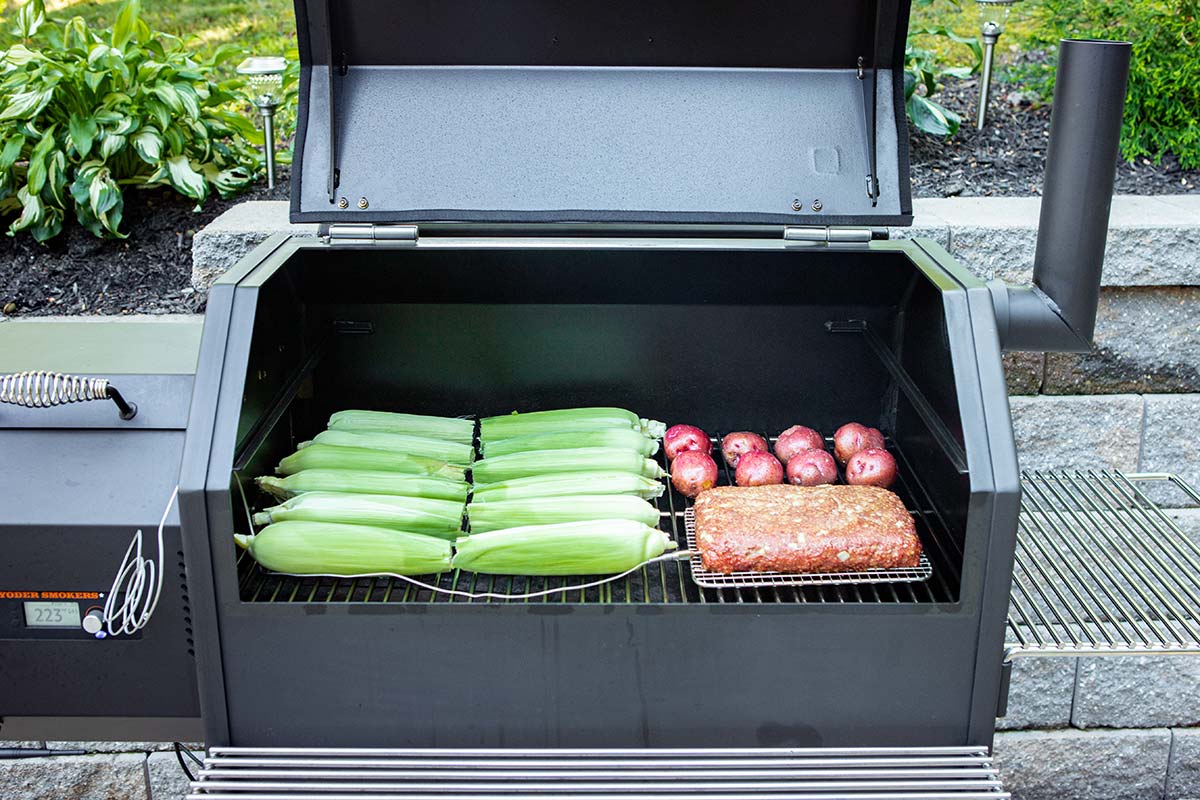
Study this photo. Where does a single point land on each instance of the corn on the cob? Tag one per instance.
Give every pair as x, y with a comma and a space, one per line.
548, 462
330, 456
326, 548
491, 516
358, 481
598, 547
571, 483
524, 424
624, 438
442, 518
459, 455
449, 429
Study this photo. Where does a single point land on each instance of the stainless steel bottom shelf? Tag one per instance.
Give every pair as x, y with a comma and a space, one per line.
895, 773
1101, 569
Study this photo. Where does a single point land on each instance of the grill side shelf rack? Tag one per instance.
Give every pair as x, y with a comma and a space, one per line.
892, 773
1101, 570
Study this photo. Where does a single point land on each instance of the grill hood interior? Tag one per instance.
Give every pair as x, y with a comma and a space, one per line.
541, 111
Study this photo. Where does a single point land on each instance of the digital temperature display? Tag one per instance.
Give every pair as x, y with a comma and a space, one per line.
52, 615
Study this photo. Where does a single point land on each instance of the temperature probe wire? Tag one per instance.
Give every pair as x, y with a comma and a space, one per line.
679, 554
139, 583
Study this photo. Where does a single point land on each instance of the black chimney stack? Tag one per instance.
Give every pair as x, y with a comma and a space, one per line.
1059, 311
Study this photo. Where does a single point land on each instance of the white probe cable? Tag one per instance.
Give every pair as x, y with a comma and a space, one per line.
673, 556
139, 583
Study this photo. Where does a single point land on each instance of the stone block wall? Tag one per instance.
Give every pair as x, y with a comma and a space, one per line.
1077, 727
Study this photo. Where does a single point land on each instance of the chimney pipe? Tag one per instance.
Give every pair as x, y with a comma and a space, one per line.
1058, 312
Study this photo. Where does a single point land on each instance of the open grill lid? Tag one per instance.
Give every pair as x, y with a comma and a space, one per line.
627, 111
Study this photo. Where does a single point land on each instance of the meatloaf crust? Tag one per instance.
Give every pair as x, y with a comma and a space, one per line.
798, 529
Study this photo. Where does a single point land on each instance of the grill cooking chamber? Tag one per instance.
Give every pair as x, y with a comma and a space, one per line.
748, 334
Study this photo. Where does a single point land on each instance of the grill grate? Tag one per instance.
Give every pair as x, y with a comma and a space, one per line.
1100, 569
666, 582
895, 773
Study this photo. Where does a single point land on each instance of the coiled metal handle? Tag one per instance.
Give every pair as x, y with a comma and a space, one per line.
44, 389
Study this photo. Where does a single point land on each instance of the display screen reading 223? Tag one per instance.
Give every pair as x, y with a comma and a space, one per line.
52, 615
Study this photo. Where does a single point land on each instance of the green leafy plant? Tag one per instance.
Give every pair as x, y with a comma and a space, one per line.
85, 114
923, 73
1162, 108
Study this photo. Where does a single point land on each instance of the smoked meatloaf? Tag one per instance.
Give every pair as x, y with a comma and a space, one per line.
798, 529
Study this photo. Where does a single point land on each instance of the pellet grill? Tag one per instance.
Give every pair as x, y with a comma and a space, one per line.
679, 208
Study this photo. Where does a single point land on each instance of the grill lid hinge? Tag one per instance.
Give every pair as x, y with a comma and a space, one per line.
827, 235
367, 233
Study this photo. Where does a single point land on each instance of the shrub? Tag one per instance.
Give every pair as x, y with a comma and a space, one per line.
85, 114
923, 70
1162, 109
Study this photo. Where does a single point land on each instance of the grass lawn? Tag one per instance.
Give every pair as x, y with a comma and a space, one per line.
262, 26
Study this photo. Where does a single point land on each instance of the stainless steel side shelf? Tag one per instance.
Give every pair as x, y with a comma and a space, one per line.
892, 773
1101, 569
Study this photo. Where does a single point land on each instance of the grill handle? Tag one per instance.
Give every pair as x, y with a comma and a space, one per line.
1058, 312
42, 389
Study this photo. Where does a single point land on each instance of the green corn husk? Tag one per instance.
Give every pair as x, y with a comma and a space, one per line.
330, 456
571, 483
597, 547
624, 438
450, 429
493, 429
326, 548
548, 462
442, 518
491, 516
357, 481
454, 453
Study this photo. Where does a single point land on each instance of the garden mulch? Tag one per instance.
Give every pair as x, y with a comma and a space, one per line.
150, 271
1007, 158
147, 273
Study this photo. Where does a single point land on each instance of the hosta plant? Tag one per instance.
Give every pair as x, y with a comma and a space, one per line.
86, 114
923, 72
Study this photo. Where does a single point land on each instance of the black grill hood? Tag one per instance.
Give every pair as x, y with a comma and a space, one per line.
673, 111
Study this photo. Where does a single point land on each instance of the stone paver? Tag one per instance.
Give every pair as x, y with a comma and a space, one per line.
1039, 695
91, 777
1084, 765
1078, 432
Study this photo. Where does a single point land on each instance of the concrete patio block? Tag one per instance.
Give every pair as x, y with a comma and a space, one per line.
1084, 765
1170, 442
1183, 776
93, 777
111, 747
1153, 241
927, 224
1137, 692
1078, 432
223, 242
1025, 372
167, 780
1039, 695
1147, 340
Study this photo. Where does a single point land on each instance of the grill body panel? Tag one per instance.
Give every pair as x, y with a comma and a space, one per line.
676, 330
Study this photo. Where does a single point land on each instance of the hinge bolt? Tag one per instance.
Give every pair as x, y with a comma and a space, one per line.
817, 205
343, 202
362, 202
797, 205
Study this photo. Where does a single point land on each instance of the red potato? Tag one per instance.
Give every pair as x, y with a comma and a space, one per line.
692, 472
681, 438
736, 445
871, 467
812, 468
758, 468
852, 437
797, 439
